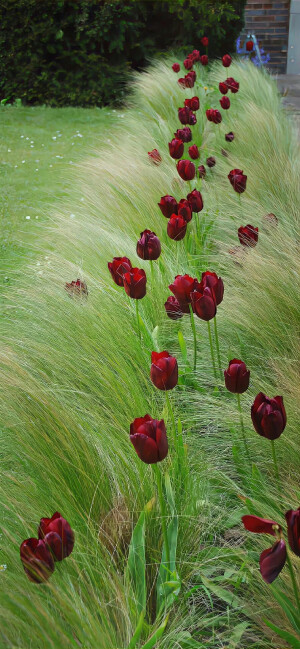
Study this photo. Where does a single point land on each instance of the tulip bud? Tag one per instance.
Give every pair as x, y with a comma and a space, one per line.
188, 63
149, 439
211, 161
135, 283
272, 561
168, 205
181, 82
195, 56
184, 134
176, 67
223, 87
57, 535
154, 156
238, 180
225, 103
37, 560
192, 103
195, 200
76, 288
293, 522
249, 46
176, 148
201, 171
118, 267
186, 169
204, 59
176, 228
232, 85
214, 115
173, 308
184, 210
248, 235
148, 246
268, 416
226, 60
164, 371
237, 377
189, 79
194, 152
229, 137
203, 302
215, 284
204, 41
182, 287
186, 116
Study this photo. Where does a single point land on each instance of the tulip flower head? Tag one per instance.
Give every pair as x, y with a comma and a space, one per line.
201, 171
186, 169
176, 228
215, 284
76, 288
204, 59
176, 67
232, 85
268, 416
37, 560
149, 438
186, 116
188, 63
164, 371
118, 267
225, 103
211, 161
182, 287
148, 246
238, 180
248, 235
192, 103
184, 134
194, 152
237, 377
226, 60
154, 156
203, 302
204, 41
57, 535
184, 210
223, 87
173, 308
214, 115
168, 205
135, 283
249, 46
229, 137
195, 199
272, 560
176, 148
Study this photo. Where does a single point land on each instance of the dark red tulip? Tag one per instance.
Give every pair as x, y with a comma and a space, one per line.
182, 287
189, 79
176, 228
201, 171
238, 180
223, 87
237, 377
184, 134
186, 169
293, 523
164, 371
204, 41
37, 560
194, 152
186, 116
154, 156
148, 246
135, 283
149, 439
272, 561
76, 288
176, 67
229, 137
232, 84
192, 103
173, 308
176, 148
188, 63
204, 59
260, 525
215, 284
195, 200
168, 205
226, 60
249, 46
211, 161
225, 103
248, 235
195, 55
182, 82
184, 210
268, 416
203, 302
118, 267
214, 115
57, 535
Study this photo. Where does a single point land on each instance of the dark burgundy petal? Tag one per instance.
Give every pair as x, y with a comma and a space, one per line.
272, 561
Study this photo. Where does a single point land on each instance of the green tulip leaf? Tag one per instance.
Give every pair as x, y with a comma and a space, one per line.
182, 346
135, 572
156, 635
285, 635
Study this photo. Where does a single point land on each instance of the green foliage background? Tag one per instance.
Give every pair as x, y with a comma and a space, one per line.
80, 52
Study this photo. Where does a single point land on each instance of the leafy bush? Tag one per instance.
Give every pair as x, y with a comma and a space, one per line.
80, 52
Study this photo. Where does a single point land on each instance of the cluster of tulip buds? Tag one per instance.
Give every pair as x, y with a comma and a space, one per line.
179, 214
55, 542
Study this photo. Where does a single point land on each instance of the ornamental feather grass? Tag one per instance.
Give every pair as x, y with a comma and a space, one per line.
74, 376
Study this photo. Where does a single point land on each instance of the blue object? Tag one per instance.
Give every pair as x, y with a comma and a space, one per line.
260, 57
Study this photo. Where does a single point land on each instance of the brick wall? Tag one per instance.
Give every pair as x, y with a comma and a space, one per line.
270, 23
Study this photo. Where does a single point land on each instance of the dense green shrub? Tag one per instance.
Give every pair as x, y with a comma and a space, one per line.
80, 52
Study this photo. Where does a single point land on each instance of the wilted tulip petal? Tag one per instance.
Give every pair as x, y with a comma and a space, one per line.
293, 523
248, 235
154, 156
272, 561
76, 288
260, 525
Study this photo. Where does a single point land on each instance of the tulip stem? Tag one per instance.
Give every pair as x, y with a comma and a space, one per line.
138, 318
293, 578
194, 334
170, 410
242, 427
157, 473
217, 345
275, 461
211, 348
152, 272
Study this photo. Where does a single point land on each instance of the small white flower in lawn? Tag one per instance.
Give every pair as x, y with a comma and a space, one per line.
82, 199
43, 145
59, 135
37, 160
50, 165
79, 135
70, 162
16, 166
27, 218
8, 150
72, 216
31, 141
36, 169
23, 161
38, 263
32, 146
54, 137
22, 136
40, 272
36, 217
72, 143
27, 138
3, 567
46, 257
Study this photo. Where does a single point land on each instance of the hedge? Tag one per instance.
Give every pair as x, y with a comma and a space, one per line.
80, 52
